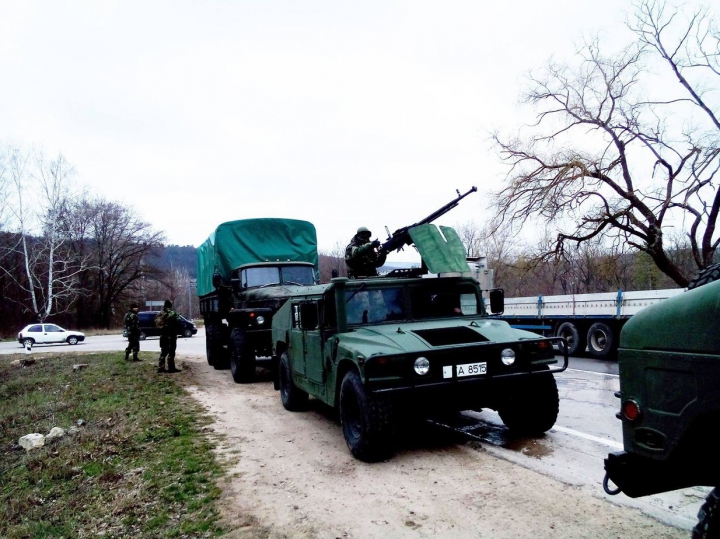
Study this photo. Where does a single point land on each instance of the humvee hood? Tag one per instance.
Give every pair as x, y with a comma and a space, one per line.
422, 336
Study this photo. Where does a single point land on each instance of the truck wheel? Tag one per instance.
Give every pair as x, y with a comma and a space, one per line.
367, 421
242, 357
293, 398
601, 340
533, 406
214, 344
708, 526
706, 276
575, 342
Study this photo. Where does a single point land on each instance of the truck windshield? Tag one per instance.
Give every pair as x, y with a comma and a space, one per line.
270, 275
387, 304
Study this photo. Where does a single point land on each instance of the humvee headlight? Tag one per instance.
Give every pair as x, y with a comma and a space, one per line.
631, 410
260, 320
422, 365
507, 356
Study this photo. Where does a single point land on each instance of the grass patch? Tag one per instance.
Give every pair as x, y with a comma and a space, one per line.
139, 466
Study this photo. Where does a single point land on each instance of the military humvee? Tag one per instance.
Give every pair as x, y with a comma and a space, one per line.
387, 348
669, 360
246, 271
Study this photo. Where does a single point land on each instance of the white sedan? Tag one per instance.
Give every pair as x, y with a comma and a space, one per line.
46, 334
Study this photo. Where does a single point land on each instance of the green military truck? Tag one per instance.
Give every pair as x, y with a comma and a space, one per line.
387, 349
669, 360
246, 270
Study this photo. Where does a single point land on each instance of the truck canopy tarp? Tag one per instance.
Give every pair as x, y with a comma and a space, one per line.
687, 323
442, 253
249, 241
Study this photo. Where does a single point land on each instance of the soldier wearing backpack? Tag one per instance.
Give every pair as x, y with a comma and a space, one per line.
167, 320
132, 329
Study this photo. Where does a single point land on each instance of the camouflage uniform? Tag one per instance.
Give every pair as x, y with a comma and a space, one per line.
168, 338
361, 258
132, 329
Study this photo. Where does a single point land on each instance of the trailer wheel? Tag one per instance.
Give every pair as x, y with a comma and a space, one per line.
575, 342
601, 340
367, 421
293, 398
708, 526
533, 406
242, 357
706, 276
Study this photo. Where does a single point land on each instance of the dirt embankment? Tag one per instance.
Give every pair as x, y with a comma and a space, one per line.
293, 476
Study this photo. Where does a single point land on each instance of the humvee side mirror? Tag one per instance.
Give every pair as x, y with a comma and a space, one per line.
497, 301
308, 315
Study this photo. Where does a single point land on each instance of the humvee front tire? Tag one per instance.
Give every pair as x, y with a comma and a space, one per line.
533, 406
708, 526
293, 398
367, 421
242, 358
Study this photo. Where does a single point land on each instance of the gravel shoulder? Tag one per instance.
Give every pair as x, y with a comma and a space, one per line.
293, 476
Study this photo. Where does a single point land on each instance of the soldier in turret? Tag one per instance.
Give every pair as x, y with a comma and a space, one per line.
361, 255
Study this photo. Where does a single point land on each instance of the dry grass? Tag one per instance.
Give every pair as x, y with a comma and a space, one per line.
139, 466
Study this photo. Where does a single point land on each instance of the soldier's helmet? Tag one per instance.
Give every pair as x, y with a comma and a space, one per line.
363, 231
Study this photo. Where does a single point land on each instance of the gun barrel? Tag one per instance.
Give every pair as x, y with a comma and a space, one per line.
401, 237
446, 208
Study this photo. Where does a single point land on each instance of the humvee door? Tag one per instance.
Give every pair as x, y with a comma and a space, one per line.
442, 250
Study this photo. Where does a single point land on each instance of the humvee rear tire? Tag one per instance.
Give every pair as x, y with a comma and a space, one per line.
242, 357
706, 276
293, 398
575, 341
367, 421
600, 340
533, 406
708, 526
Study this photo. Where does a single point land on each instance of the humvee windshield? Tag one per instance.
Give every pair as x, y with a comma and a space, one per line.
428, 301
271, 275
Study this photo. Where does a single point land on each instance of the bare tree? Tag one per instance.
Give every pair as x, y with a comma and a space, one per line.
331, 261
49, 277
123, 247
621, 152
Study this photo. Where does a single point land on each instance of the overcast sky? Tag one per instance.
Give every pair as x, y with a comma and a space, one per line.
342, 113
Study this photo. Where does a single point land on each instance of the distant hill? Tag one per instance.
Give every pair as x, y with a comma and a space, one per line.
176, 256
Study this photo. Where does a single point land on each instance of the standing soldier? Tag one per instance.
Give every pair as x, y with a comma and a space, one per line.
167, 320
132, 330
361, 256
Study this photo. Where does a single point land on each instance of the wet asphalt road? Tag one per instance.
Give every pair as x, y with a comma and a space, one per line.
572, 451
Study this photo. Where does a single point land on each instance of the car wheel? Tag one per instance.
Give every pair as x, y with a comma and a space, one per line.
242, 357
708, 526
293, 398
142, 336
601, 340
367, 421
532, 407
187, 333
575, 343
28, 342
72, 339
706, 276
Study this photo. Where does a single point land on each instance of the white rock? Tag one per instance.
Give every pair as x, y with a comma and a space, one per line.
55, 432
31, 441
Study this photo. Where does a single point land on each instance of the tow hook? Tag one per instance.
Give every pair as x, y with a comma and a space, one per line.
606, 486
